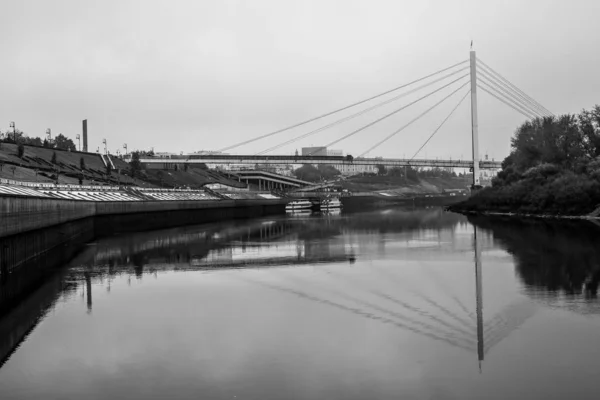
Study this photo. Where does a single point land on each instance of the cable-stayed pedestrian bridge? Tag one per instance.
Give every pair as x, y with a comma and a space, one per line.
330, 160
456, 81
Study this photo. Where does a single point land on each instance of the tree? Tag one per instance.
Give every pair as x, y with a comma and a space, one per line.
20, 150
328, 171
308, 172
349, 158
13, 137
64, 143
135, 165
82, 163
32, 141
46, 143
553, 168
53, 160
381, 170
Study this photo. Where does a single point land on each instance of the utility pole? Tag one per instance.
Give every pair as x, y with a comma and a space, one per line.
474, 123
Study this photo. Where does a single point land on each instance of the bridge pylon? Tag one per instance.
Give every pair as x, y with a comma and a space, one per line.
474, 123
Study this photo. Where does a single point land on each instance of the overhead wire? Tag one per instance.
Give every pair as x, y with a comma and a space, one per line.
392, 113
339, 109
515, 87
412, 121
508, 94
442, 124
524, 111
381, 104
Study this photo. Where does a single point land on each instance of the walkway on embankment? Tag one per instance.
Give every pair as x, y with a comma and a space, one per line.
26, 208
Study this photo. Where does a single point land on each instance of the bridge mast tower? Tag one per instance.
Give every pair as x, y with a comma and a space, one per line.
474, 124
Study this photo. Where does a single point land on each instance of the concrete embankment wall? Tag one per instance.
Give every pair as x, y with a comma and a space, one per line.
28, 258
30, 227
23, 214
130, 217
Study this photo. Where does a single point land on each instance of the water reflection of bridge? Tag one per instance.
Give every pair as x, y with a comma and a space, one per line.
277, 242
466, 330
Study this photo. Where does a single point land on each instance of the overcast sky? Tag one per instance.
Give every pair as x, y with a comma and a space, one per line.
199, 75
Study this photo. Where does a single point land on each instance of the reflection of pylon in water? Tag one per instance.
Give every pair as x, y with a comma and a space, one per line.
502, 324
478, 299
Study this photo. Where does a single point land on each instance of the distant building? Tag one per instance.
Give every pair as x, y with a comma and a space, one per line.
486, 175
314, 151
212, 153
347, 169
207, 153
354, 169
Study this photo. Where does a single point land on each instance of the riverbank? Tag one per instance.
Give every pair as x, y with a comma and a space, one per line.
375, 199
459, 209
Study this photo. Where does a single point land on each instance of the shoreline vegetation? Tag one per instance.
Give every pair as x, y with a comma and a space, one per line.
553, 171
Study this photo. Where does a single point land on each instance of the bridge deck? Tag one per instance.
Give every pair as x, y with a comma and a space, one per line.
334, 160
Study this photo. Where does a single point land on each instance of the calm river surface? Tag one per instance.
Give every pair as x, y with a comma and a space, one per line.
386, 304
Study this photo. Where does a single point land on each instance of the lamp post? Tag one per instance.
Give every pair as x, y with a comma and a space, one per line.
78, 137
125, 147
12, 125
49, 133
105, 146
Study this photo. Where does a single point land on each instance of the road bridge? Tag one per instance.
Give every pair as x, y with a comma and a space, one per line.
268, 180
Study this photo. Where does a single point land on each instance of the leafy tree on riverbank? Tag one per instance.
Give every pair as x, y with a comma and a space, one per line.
309, 173
553, 168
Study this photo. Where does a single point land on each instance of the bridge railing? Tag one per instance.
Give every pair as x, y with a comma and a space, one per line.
332, 160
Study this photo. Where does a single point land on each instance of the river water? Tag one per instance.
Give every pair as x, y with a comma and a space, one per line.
385, 304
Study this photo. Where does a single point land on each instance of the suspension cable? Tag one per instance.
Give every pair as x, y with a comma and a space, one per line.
338, 110
515, 87
514, 94
413, 120
510, 96
442, 124
392, 113
360, 112
506, 100
511, 106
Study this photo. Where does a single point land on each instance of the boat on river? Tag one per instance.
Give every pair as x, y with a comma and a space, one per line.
298, 205
331, 203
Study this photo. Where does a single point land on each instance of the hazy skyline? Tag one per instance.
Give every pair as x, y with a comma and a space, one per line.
201, 75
